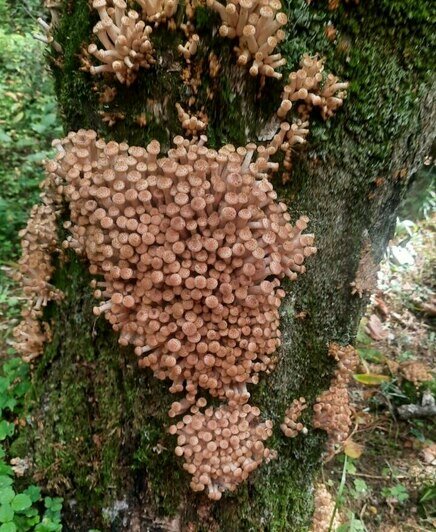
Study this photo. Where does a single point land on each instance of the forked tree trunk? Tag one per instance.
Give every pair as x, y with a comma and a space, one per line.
99, 423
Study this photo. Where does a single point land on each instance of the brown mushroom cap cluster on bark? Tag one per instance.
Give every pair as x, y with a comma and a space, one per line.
35, 269
258, 25
291, 427
332, 412
126, 41
192, 248
309, 86
324, 507
158, 10
221, 446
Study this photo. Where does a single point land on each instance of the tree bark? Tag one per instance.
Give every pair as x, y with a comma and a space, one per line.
98, 430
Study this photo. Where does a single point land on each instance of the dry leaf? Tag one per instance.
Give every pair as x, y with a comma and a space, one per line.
375, 328
353, 449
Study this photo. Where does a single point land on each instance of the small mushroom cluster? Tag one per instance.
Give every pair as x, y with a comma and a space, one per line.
257, 24
158, 10
192, 248
126, 41
332, 412
416, 372
53, 6
191, 124
290, 426
190, 48
324, 507
221, 446
309, 87
38, 242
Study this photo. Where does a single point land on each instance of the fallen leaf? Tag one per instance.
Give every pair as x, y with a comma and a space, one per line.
353, 449
428, 453
371, 379
375, 328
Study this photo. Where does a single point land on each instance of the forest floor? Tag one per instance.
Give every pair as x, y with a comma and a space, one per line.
386, 478
385, 481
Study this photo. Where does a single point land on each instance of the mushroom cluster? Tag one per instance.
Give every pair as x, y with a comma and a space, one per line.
221, 446
38, 242
191, 248
190, 48
416, 372
324, 507
309, 87
332, 412
126, 41
290, 426
312, 89
191, 124
158, 10
257, 24
53, 6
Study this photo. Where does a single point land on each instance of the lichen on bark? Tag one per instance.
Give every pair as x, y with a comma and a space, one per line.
98, 430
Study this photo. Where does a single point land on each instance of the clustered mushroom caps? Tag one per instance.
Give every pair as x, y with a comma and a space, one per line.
158, 10
38, 242
310, 88
290, 426
332, 412
126, 41
221, 446
190, 48
54, 7
416, 372
258, 25
191, 124
192, 248
324, 508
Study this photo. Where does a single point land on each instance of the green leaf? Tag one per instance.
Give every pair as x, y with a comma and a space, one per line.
8, 527
33, 492
370, 354
6, 513
21, 502
6, 495
4, 137
6, 429
5, 481
429, 494
371, 379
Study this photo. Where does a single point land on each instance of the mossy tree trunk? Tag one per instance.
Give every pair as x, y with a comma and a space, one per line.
99, 423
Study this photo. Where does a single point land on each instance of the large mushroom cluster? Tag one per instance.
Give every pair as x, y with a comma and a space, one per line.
332, 412
257, 24
221, 446
191, 248
126, 41
35, 268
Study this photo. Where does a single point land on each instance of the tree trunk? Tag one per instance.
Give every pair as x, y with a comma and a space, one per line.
99, 422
